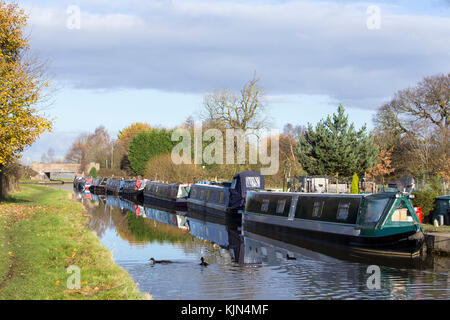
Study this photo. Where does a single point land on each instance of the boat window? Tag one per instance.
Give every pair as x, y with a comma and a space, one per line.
375, 208
280, 206
202, 193
252, 182
343, 208
208, 194
265, 205
194, 192
401, 213
317, 209
221, 197
233, 184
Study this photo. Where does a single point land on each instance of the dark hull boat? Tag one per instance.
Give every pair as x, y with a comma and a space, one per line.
78, 184
168, 195
133, 190
224, 199
384, 224
114, 187
98, 186
82, 184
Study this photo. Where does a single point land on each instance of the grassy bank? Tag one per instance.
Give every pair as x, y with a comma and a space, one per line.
42, 233
432, 228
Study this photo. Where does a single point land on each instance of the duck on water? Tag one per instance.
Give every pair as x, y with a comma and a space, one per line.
202, 263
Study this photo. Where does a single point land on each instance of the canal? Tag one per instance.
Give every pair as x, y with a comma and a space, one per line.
246, 264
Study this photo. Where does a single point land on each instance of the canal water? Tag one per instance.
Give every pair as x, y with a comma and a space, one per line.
246, 264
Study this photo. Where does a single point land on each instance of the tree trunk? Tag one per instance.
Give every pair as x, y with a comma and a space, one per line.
2, 189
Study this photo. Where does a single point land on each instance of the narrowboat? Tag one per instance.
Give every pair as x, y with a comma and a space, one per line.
133, 189
224, 198
82, 184
384, 223
114, 187
170, 195
78, 184
98, 186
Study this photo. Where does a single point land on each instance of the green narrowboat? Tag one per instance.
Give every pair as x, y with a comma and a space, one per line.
383, 223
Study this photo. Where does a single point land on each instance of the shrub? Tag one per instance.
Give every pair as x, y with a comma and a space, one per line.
355, 184
93, 172
162, 167
147, 145
425, 199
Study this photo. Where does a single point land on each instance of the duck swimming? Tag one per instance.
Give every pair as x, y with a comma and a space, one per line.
159, 261
290, 258
203, 263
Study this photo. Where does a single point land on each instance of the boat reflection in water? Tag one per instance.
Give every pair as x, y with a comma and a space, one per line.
218, 231
245, 263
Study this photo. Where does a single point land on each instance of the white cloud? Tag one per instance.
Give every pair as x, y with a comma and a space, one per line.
316, 48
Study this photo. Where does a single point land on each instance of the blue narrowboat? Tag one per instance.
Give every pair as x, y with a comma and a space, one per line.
114, 187
225, 198
134, 189
171, 195
384, 223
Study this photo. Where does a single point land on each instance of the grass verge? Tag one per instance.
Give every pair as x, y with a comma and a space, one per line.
432, 228
42, 233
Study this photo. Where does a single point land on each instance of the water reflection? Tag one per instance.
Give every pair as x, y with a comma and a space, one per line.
244, 264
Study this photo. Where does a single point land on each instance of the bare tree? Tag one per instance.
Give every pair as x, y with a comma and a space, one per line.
48, 157
245, 110
428, 102
415, 123
95, 147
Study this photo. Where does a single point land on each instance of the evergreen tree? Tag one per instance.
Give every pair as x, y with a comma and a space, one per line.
334, 147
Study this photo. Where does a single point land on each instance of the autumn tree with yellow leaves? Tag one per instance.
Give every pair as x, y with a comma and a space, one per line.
22, 81
123, 142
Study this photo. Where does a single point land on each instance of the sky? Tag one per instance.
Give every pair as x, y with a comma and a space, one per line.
116, 62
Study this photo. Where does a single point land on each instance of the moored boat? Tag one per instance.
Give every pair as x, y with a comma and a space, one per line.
224, 198
172, 195
78, 184
133, 189
82, 184
384, 223
98, 186
114, 187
